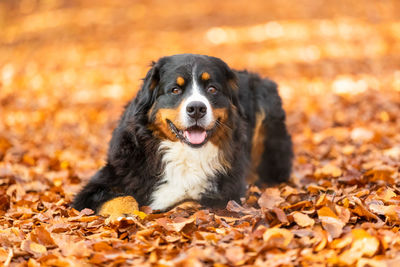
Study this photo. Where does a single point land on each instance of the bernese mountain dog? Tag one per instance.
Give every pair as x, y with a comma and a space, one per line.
196, 131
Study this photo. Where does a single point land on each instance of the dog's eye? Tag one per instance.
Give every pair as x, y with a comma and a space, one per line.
176, 91
212, 90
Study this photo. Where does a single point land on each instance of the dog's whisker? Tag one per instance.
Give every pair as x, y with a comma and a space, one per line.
219, 123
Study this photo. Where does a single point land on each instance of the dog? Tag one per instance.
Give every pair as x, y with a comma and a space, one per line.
196, 131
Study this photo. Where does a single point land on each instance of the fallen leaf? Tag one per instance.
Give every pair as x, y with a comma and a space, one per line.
235, 255
385, 194
33, 247
331, 222
42, 236
280, 214
278, 237
390, 211
360, 134
270, 198
302, 220
175, 225
3, 254
328, 170
363, 245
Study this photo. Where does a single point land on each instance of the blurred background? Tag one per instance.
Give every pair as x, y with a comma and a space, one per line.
67, 67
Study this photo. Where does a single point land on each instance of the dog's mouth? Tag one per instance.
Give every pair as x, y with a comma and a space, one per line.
194, 136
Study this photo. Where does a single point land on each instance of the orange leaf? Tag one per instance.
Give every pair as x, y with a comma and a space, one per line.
302, 219
33, 247
278, 237
363, 245
270, 198
330, 222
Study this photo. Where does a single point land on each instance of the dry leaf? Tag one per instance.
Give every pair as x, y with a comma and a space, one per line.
363, 245
278, 237
302, 220
331, 222
33, 248
42, 236
270, 198
235, 254
328, 170
175, 225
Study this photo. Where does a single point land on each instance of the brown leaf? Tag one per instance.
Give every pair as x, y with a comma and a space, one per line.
302, 220
42, 236
270, 198
331, 222
4, 203
280, 214
176, 224
233, 206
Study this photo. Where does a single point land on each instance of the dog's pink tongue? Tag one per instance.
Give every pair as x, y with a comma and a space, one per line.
195, 136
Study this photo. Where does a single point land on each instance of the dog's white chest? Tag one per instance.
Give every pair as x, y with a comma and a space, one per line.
187, 173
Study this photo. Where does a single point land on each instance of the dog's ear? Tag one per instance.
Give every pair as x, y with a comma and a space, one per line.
234, 89
148, 93
152, 78
232, 83
233, 86
132, 125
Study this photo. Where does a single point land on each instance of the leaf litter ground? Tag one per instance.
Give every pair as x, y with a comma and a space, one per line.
68, 68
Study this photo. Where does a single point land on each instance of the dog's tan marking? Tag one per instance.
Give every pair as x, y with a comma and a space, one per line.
222, 133
222, 130
205, 76
150, 112
233, 84
257, 148
180, 81
153, 84
160, 126
119, 207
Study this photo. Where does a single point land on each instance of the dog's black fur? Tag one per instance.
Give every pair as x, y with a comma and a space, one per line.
134, 163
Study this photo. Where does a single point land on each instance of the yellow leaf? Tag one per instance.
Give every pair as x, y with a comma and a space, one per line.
140, 214
37, 248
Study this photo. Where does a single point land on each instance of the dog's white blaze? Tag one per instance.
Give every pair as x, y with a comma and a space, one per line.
186, 173
196, 96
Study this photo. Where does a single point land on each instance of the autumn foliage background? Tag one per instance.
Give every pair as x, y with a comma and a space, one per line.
67, 67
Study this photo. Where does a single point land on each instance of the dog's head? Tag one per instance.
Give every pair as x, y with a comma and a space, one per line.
190, 98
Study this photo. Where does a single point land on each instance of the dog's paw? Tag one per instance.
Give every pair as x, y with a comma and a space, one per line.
121, 209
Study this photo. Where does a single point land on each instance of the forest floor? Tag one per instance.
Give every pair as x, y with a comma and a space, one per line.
68, 67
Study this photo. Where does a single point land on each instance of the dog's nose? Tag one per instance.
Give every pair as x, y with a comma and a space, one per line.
196, 109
